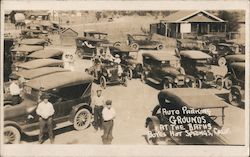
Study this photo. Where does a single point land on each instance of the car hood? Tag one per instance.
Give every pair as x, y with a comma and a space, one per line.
26, 107
172, 71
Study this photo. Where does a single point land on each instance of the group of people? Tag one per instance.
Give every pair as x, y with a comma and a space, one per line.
69, 61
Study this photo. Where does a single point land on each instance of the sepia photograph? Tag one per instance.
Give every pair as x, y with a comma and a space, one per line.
117, 77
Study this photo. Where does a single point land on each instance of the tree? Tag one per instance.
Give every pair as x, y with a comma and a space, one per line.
232, 20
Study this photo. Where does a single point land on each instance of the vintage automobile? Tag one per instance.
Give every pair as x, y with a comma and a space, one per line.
33, 31
27, 75
235, 58
8, 45
164, 69
70, 96
33, 41
237, 93
19, 54
143, 41
86, 45
130, 61
106, 72
172, 121
46, 53
198, 64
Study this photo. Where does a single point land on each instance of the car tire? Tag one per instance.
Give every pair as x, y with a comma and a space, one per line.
135, 46
103, 82
82, 119
211, 47
198, 83
7, 106
159, 47
228, 83
117, 44
151, 128
11, 135
221, 61
130, 74
79, 54
219, 83
144, 78
234, 97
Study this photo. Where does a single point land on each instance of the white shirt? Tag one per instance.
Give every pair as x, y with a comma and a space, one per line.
108, 114
98, 101
45, 109
14, 89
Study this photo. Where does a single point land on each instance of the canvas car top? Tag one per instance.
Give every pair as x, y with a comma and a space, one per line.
51, 81
193, 98
236, 58
239, 65
160, 55
46, 53
32, 41
95, 32
34, 73
37, 63
194, 54
27, 48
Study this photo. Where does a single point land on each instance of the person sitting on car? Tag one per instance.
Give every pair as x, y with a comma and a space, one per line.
88, 44
15, 92
117, 60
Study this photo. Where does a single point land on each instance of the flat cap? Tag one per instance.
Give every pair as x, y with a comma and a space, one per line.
108, 102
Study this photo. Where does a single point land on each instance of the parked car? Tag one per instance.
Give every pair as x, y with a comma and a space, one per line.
164, 69
46, 53
70, 94
171, 111
198, 64
19, 54
130, 62
8, 45
143, 41
33, 31
235, 58
106, 72
237, 92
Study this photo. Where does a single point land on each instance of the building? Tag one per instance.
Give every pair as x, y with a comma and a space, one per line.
68, 37
42, 15
187, 23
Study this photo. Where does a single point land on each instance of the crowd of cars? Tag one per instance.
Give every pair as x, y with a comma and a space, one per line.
201, 63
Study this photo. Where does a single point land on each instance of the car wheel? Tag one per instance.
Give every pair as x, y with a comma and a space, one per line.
130, 74
159, 47
82, 119
117, 44
198, 83
79, 54
219, 83
143, 78
151, 128
228, 83
234, 97
7, 106
135, 46
103, 82
167, 85
11, 135
211, 47
222, 61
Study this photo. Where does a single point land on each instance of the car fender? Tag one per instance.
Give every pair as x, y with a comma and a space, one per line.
14, 124
76, 108
155, 121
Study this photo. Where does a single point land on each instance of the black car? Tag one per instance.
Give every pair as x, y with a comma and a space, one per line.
8, 45
70, 96
164, 69
198, 64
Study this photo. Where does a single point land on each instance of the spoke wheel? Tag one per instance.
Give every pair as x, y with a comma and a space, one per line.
79, 54
222, 61
135, 46
159, 47
198, 83
103, 82
11, 135
82, 119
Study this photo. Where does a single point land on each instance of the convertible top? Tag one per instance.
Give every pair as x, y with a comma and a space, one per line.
238, 65
192, 98
34, 73
27, 48
89, 39
38, 63
95, 32
46, 53
159, 55
194, 54
236, 58
61, 79
32, 41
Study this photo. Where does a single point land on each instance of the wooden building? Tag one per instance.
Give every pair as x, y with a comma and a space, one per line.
188, 24
68, 37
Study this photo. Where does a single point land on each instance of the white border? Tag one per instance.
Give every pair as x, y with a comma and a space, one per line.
128, 150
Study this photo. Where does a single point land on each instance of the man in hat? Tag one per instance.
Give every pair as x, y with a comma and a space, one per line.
98, 103
45, 110
108, 114
117, 60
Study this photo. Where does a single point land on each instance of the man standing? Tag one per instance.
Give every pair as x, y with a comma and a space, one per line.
15, 92
98, 103
108, 114
45, 110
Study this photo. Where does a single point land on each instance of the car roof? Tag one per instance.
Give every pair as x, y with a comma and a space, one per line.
192, 98
238, 65
95, 32
89, 39
194, 54
236, 58
37, 63
32, 41
61, 79
160, 56
27, 48
34, 73
46, 53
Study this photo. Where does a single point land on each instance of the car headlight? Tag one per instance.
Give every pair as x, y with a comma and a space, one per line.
187, 79
16, 68
175, 80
